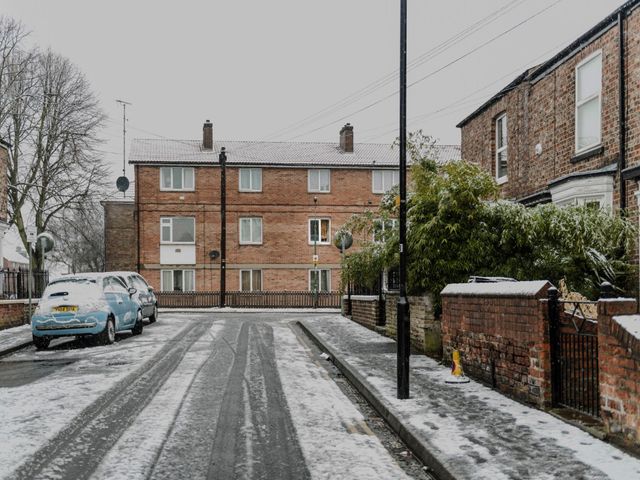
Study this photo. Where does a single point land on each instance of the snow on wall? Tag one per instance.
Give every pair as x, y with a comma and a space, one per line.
497, 289
631, 323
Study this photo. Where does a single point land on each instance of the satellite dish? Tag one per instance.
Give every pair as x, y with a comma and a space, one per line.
45, 242
338, 239
213, 254
122, 183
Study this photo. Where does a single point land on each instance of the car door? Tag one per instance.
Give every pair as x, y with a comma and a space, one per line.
113, 295
128, 305
145, 296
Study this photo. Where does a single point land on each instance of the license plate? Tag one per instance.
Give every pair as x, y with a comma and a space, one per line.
65, 308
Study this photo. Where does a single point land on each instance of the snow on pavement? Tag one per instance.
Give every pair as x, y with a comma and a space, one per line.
477, 432
329, 427
13, 337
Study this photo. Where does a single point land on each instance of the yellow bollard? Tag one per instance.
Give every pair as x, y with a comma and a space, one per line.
457, 375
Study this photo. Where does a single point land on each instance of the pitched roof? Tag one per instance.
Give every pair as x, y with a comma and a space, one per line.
288, 154
536, 73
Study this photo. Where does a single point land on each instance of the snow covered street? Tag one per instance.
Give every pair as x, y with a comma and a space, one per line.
215, 395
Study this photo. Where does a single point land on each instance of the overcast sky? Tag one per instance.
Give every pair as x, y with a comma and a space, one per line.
258, 68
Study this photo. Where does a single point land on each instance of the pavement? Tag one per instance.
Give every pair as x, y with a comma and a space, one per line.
464, 431
12, 339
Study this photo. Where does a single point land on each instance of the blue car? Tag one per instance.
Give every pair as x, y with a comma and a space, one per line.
90, 304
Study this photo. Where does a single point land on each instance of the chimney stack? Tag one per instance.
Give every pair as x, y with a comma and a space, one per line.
346, 138
207, 135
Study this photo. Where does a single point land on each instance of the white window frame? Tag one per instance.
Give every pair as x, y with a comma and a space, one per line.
320, 220
384, 224
502, 117
252, 187
251, 270
581, 191
395, 180
578, 104
316, 188
250, 220
164, 223
183, 189
172, 270
320, 270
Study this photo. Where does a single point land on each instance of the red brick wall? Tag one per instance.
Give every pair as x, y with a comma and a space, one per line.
364, 310
425, 331
619, 370
508, 332
544, 112
120, 236
285, 206
14, 313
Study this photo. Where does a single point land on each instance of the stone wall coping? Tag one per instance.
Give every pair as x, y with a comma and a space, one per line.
631, 323
17, 302
496, 289
617, 299
363, 297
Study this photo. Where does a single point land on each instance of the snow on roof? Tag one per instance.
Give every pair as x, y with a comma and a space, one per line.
15, 257
497, 289
631, 323
155, 151
118, 196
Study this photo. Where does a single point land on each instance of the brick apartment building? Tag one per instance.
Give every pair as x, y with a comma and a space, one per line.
284, 201
568, 131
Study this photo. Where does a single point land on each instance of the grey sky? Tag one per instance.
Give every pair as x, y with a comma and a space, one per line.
255, 67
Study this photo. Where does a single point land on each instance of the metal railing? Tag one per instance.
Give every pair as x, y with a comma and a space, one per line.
14, 283
284, 299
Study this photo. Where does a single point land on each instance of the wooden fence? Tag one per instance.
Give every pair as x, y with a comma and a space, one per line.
249, 299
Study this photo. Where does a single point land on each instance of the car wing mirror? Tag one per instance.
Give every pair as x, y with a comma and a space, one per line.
150, 289
132, 291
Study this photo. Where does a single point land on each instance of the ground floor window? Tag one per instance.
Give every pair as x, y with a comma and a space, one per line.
320, 280
250, 280
178, 280
594, 191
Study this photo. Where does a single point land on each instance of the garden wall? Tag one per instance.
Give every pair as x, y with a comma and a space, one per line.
365, 310
619, 368
14, 312
501, 331
426, 335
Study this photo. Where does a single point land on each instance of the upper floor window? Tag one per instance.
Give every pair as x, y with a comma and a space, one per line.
177, 230
176, 178
250, 179
319, 180
251, 231
384, 180
501, 148
320, 280
381, 228
250, 280
320, 230
588, 102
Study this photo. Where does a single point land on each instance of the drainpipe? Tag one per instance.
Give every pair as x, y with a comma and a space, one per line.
622, 133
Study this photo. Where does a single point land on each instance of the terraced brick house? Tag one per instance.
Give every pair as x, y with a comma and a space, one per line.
568, 131
284, 201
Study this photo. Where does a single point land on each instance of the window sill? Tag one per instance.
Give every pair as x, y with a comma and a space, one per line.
250, 244
319, 243
177, 190
250, 191
502, 180
586, 154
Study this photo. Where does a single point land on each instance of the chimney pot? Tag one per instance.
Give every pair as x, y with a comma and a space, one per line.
346, 138
207, 135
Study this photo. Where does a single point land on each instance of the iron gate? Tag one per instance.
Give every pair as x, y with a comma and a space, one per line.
573, 332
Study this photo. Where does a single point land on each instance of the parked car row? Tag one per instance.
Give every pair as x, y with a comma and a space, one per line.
95, 305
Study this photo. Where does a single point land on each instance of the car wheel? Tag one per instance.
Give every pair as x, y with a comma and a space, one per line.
41, 343
154, 316
108, 335
137, 328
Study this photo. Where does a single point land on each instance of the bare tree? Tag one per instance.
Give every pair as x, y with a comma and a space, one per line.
79, 237
52, 118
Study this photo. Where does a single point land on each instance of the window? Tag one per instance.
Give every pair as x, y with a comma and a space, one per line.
178, 280
250, 231
588, 102
501, 148
176, 178
381, 229
384, 180
320, 280
177, 229
319, 180
320, 230
114, 285
250, 280
590, 191
250, 179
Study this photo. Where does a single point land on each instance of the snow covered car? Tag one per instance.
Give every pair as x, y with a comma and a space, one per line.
144, 293
91, 304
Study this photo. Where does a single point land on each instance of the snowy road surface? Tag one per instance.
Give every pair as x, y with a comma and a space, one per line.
212, 395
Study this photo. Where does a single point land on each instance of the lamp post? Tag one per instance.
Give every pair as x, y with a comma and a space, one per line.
223, 225
403, 321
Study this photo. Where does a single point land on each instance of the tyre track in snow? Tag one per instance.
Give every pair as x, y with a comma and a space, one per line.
77, 450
